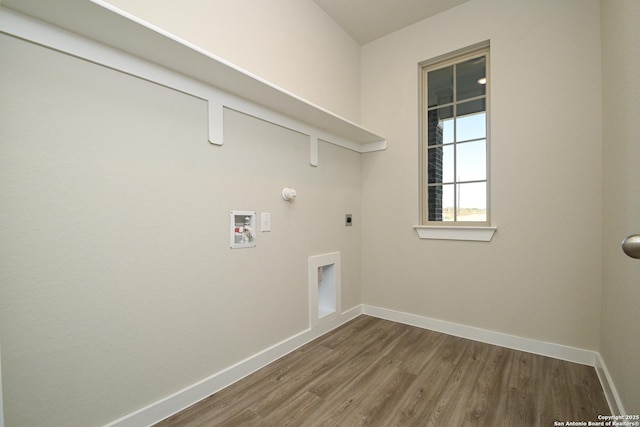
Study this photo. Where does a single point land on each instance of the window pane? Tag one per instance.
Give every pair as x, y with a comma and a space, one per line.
440, 126
440, 164
467, 75
440, 86
447, 164
471, 126
472, 161
447, 203
471, 107
440, 202
447, 131
434, 202
472, 202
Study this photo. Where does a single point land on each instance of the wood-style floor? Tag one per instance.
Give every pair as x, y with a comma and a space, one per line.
381, 373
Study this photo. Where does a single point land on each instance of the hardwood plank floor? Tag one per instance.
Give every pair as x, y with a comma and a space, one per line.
381, 373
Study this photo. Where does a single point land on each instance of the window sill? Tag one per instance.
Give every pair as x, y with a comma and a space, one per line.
474, 234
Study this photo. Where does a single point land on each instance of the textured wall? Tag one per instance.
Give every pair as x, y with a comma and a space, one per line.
117, 284
540, 277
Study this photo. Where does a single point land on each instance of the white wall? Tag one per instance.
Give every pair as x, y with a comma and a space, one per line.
117, 284
1, 404
291, 43
540, 277
620, 333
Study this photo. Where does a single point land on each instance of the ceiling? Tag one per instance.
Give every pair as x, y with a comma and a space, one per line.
367, 20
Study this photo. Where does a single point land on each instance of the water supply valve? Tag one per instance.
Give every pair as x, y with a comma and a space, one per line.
288, 194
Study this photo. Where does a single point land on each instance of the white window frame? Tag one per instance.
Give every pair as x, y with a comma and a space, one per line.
453, 230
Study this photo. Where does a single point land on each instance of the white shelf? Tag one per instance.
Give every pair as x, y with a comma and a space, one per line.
96, 21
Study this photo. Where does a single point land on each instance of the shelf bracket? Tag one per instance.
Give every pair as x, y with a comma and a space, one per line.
216, 122
313, 150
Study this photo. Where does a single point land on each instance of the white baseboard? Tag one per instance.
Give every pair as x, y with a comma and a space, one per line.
170, 405
610, 391
557, 351
175, 403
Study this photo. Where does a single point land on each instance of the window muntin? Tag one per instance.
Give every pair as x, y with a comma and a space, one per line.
455, 140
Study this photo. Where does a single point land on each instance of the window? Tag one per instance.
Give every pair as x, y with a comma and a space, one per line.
454, 139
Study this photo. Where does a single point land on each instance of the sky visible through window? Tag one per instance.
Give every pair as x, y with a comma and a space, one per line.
471, 160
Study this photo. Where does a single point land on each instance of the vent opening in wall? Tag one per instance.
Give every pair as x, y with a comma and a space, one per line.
326, 291
324, 287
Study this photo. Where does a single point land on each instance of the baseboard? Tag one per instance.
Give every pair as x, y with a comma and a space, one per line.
571, 354
557, 351
170, 405
610, 391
